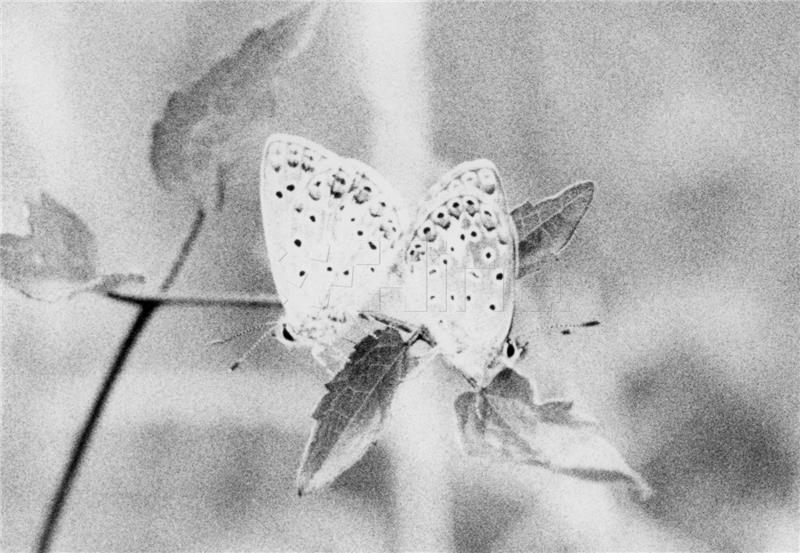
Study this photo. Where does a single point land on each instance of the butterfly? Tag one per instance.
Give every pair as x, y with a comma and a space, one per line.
337, 233
459, 270
334, 228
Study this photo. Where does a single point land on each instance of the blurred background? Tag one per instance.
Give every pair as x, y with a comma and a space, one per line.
684, 115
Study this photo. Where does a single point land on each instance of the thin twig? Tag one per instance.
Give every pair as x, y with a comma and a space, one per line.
81, 445
417, 332
271, 300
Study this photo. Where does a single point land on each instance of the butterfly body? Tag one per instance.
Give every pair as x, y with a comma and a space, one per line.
333, 229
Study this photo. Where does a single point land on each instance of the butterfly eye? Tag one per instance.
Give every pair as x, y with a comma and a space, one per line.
286, 334
510, 350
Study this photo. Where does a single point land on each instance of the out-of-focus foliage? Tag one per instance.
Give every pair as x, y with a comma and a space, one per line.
685, 115
206, 127
546, 228
58, 259
503, 423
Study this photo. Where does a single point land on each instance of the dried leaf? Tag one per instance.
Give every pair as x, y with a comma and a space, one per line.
546, 228
59, 257
204, 126
352, 414
503, 422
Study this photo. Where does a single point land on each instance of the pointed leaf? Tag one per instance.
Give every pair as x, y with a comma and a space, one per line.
546, 228
502, 422
206, 125
59, 257
352, 414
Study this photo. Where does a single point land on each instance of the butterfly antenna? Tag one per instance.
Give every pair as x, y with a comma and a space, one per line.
567, 329
235, 365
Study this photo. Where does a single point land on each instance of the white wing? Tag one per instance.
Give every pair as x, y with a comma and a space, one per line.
333, 227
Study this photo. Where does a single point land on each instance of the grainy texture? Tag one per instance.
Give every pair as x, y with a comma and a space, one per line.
57, 259
683, 114
352, 414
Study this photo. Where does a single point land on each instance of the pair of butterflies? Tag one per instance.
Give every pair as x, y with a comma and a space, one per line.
340, 243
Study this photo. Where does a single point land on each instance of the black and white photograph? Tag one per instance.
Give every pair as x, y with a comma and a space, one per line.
490, 277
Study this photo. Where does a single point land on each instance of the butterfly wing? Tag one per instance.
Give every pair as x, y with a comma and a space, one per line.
333, 227
464, 257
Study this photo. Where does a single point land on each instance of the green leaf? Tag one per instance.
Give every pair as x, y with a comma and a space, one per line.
546, 228
352, 414
59, 257
502, 422
222, 116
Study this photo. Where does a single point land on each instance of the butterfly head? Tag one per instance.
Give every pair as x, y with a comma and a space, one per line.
490, 364
511, 352
285, 333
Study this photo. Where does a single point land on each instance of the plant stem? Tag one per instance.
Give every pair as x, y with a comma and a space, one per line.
146, 310
196, 301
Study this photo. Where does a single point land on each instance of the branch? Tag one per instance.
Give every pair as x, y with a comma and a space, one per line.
270, 300
79, 448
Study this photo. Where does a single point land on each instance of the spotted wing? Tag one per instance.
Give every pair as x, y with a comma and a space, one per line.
332, 228
464, 256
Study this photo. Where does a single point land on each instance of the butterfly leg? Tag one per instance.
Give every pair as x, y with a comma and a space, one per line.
416, 333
